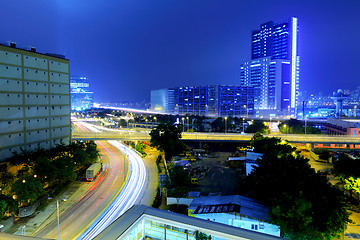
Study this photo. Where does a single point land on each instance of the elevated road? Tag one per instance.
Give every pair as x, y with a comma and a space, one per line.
230, 137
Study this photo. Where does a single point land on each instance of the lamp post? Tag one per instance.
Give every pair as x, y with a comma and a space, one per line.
225, 124
286, 128
355, 111
305, 124
183, 124
243, 124
58, 220
187, 120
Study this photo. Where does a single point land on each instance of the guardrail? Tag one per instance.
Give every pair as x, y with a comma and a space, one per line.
143, 136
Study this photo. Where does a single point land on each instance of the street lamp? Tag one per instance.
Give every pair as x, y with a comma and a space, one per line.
187, 120
355, 111
243, 124
286, 128
58, 220
225, 124
183, 124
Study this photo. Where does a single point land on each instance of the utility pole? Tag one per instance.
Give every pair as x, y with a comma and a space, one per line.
303, 110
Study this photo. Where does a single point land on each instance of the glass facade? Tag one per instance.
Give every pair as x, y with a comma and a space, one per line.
210, 100
81, 97
274, 41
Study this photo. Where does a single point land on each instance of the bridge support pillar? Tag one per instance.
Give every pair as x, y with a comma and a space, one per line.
200, 145
312, 147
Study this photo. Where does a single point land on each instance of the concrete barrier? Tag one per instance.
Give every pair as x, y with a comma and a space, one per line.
28, 211
8, 223
314, 155
180, 201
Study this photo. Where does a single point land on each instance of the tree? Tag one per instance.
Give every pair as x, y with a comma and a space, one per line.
297, 127
166, 137
45, 170
140, 146
201, 236
218, 125
352, 185
92, 151
302, 202
65, 170
323, 153
271, 146
346, 167
6, 179
257, 126
198, 123
11, 204
3, 206
27, 189
178, 181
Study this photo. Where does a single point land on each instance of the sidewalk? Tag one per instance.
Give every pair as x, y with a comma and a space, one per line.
152, 176
48, 214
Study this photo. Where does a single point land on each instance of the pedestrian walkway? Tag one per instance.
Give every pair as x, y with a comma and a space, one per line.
152, 175
48, 214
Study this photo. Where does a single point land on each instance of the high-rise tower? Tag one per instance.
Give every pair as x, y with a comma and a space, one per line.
273, 70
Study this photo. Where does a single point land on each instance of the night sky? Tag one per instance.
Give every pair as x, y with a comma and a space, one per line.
128, 47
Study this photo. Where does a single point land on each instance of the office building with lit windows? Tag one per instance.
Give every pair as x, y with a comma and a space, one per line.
81, 96
273, 70
210, 100
34, 100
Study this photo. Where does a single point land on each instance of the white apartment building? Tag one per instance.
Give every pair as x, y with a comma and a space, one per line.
34, 100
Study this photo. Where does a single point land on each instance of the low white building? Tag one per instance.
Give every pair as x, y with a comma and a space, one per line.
251, 161
234, 210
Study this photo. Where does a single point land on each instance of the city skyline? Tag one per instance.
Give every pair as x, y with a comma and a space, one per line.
160, 45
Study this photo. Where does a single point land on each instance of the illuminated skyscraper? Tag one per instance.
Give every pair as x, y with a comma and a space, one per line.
81, 96
273, 70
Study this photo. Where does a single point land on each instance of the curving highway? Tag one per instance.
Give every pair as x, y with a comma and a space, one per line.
129, 196
92, 203
116, 189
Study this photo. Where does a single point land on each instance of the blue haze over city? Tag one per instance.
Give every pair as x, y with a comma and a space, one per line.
128, 48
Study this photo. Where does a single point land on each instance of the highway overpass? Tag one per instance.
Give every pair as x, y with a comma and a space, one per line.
216, 137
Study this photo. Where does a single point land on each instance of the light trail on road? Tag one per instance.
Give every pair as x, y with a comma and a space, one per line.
91, 204
129, 195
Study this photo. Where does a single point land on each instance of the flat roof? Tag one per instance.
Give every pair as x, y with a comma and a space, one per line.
135, 213
248, 207
51, 55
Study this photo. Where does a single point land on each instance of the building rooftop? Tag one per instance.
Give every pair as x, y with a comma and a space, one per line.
119, 228
11, 44
247, 206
